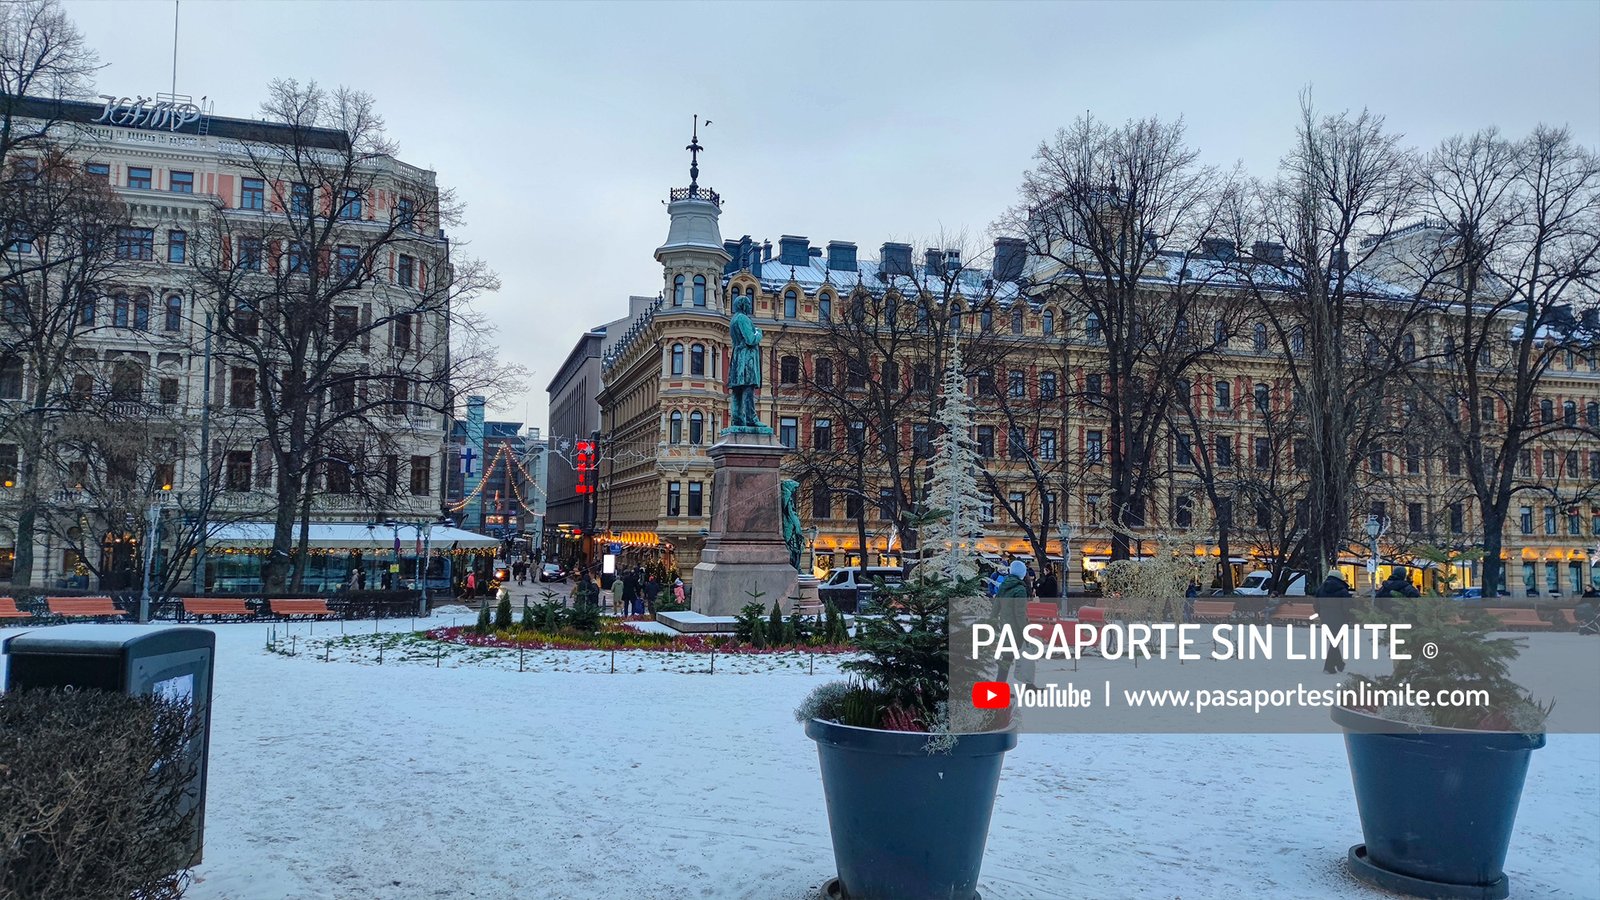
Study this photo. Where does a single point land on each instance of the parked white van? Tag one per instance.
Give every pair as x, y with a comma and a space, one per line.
1259, 584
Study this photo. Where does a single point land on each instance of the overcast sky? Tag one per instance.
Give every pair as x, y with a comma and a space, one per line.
562, 126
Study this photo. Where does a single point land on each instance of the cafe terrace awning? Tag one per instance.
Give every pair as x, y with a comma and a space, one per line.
350, 536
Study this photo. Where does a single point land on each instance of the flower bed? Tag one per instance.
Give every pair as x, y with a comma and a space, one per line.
618, 638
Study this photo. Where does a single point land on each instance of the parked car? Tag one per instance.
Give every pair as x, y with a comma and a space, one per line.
850, 588
1476, 593
551, 572
1259, 584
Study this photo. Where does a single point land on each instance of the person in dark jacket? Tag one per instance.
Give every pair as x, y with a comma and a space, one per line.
1048, 586
629, 591
1011, 608
1398, 584
1332, 604
652, 589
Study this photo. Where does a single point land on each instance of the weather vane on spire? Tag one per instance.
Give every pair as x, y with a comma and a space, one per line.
694, 149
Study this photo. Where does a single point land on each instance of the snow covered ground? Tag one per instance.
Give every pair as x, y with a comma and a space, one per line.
346, 779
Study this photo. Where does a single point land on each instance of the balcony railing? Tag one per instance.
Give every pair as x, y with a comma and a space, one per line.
695, 192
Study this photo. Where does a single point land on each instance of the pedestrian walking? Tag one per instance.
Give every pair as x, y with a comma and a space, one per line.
1398, 584
677, 591
1011, 608
469, 586
1332, 605
1048, 586
652, 588
629, 584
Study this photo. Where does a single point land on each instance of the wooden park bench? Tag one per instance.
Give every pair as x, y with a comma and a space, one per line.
84, 608
9, 610
216, 608
1213, 611
1295, 612
313, 608
1520, 619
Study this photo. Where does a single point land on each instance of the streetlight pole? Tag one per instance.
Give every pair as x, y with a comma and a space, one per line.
1064, 531
205, 468
1375, 529
152, 536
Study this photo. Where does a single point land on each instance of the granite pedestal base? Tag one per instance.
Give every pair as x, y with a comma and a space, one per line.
744, 553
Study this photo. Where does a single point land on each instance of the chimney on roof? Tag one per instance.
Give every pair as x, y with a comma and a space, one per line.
1341, 260
841, 256
1009, 255
1219, 248
1267, 251
1591, 318
794, 251
814, 252
766, 251
933, 263
894, 259
735, 259
952, 260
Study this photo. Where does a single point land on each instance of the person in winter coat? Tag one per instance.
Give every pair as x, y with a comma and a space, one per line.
1048, 586
1332, 604
629, 592
677, 590
652, 589
1011, 608
1398, 584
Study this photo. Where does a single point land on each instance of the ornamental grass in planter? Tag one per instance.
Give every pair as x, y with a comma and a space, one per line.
909, 776
1438, 786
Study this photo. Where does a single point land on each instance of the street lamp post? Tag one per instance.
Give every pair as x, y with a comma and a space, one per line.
152, 536
1064, 531
1375, 529
811, 562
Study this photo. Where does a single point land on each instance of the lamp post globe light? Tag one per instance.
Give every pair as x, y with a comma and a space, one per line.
1375, 529
1064, 532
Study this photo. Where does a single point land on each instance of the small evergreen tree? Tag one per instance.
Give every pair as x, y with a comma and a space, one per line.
552, 617
502, 614
528, 623
953, 529
744, 627
775, 633
482, 626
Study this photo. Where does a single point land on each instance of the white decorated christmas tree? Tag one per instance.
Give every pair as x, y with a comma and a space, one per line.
951, 542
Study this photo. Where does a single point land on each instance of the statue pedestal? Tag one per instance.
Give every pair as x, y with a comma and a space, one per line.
810, 596
744, 551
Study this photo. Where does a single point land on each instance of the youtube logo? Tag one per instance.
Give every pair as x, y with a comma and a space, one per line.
991, 695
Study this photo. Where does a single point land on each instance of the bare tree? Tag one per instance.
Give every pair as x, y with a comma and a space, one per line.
43, 57
333, 290
1508, 253
1113, 218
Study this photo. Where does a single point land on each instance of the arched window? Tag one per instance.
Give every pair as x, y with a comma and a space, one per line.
1263, 398
824, 306
1592, 414
697, 359
1569, 413
791, 304
1297, 340
1016, 320
675, 428
174, 317
1017, 385
677, 291
677, 359
697, 427
986, 319
1547, 412
1219, 334
1258, 337
1047, 385
789, 370
824, 373
1222, 394
699, 290
127, 381
1047, 322
1408, 347
1091, 327
119, 310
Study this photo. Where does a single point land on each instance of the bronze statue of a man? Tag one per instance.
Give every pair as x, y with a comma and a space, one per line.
744, 370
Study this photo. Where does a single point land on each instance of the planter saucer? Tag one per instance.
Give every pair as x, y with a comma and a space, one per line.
832, 891
1367, 872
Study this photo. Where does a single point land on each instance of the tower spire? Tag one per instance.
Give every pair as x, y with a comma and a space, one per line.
694, 149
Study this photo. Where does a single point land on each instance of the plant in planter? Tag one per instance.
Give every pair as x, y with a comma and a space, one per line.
1437, 787
909, 774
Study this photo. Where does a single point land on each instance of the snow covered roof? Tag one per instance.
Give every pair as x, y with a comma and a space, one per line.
812, 275
350, 536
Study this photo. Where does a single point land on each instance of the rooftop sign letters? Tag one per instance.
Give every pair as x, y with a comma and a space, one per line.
169, 113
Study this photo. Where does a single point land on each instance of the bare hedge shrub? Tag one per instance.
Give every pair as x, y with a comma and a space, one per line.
91, 795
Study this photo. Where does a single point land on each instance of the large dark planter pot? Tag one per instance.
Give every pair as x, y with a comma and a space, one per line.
907, 824
1437, 806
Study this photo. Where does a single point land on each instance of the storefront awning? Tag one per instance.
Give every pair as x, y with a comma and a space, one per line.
351, 536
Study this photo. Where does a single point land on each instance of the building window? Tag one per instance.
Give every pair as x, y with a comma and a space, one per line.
1297, 340
346, 321
399, 396
823, 374
167, 390
1263, 398
1550, 520
821, 501
985, 507
789, 432
1224, 395
99, 170
1094, 386
1525, 520
245, 320
675, 428
238, 468
1047, 323
822, 434
697, 426
1091, 328
1224, 451
351, 207
252, 194
1550, 465
986, 441
141, 313
1263, 452
791, 304
853, 507
1375, 460
421, 476
1547, 412
674, 491
402, 337
1016, 321
174, 316
405, 271
699, 290
1594, 464
789, 370
1183, 514
300, 200
1569, 413
858, 437
11, 378
139, 178
696, 508
349, 260
177, 247
1183, 451
86, 311
1525, 463
405, 214
697, 359
921, 446
299, 259
1414, 517
677, 359
1591, 414
181, 182
1047, 444
856, 374
1017, 442
136, 243
677, 290
1095, 448
1574, 522
250, 253
824, 306
1047, 386
1413, 459
1016, 385
986, 383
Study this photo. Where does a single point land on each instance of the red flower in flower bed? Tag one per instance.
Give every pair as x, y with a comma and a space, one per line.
615, 639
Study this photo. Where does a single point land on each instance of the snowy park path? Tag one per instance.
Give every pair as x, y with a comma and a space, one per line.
350, 780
